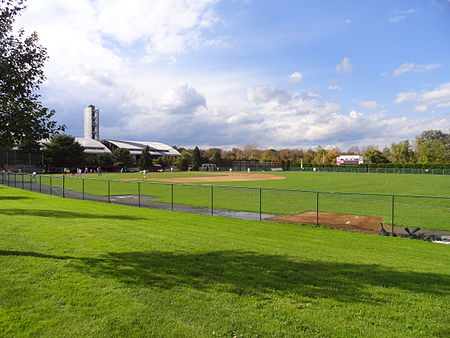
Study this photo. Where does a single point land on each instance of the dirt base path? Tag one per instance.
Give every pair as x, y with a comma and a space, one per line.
366, 224
222, 177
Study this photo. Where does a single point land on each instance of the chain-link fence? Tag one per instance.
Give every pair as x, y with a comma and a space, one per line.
344, 169
341, 209
21, 160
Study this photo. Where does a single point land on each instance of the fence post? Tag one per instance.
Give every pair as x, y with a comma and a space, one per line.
317, 208
23, 181
51, 186
40, 184
139, 193
172, 195
109, 191
31, 183
260, 204
63, 186
212, 200
392, 214
82, 187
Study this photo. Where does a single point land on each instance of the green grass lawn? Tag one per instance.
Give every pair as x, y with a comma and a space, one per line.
79, 268
428, 213
399, 184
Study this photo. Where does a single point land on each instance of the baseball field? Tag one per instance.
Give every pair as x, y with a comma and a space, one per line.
367, 199
85, 269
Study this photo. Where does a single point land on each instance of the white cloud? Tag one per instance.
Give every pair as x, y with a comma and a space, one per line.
295, 77
370, 105
438, 97
397, 18
405, 97
421, 108
345, 66
334, 87
262, 95
412, 67
400, 15
273, 117
181, 99
165, 26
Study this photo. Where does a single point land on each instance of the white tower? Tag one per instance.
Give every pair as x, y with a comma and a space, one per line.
91, 123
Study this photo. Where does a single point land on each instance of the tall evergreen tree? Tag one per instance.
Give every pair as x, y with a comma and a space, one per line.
145, 162
196, 159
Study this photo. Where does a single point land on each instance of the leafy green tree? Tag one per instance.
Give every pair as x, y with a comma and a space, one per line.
319, 157
23, 119
401, 152
330, 157
145, 162
433, 146
309, 156
184, 161
64, 151
104, 159
122, 158
196, 159
374, 156
215, 156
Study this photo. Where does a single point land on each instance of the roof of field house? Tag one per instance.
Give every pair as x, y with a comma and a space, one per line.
136, 147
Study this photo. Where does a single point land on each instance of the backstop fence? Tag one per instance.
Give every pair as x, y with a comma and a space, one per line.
312, 207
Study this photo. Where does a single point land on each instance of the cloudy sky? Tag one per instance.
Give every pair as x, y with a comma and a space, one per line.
278, 73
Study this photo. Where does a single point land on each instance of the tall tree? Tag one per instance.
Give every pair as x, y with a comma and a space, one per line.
374, 156
184, 161
196, 159
145, 162
319, 157
401, 152
23, 119
122, 157
215, 156
104, 159
64, 151
433, 146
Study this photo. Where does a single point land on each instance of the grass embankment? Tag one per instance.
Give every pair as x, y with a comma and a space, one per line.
75, 268
428, 213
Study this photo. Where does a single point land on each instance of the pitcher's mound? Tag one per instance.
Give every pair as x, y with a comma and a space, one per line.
366, 224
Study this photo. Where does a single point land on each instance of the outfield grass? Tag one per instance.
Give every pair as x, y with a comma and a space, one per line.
399, 184
79, 268
428, 213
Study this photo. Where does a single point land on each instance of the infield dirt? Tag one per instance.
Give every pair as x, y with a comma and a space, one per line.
366, 224
213, 177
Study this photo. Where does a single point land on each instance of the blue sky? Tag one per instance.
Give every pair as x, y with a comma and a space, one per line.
227, 73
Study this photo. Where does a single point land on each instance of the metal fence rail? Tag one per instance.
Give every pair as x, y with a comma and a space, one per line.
344, 169
429, 212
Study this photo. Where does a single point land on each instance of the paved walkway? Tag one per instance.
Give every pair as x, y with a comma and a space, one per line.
144, 201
